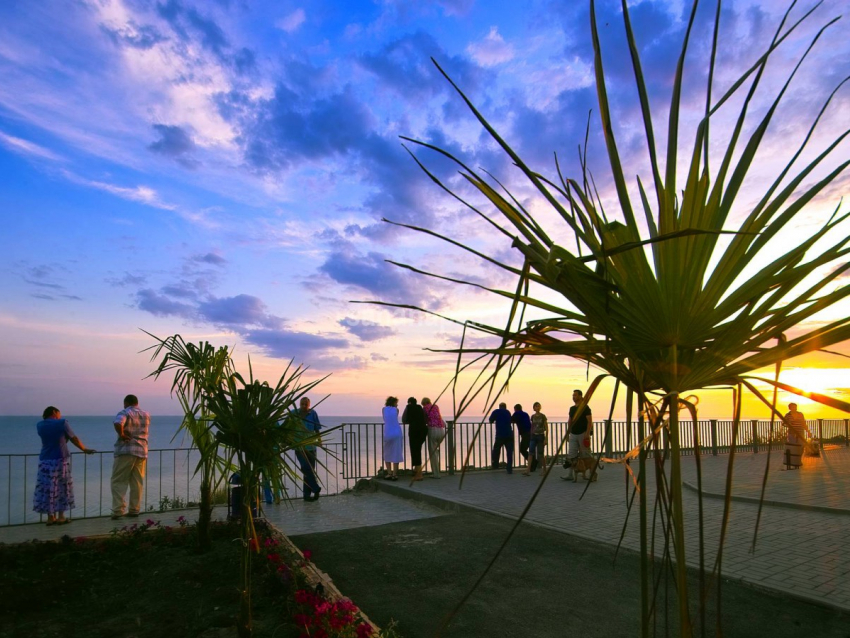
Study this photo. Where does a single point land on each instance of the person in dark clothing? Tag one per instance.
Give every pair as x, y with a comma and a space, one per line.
523, 425
504, 436
581, 429
417, 432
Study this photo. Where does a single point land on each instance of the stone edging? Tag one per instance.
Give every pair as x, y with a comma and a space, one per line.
755, 501
316, 576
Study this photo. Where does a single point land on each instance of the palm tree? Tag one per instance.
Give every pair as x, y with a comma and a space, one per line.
653, 298
256, 422
197, 368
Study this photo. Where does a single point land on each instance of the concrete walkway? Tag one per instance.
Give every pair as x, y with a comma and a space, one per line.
803, 546
799, 551
344, 511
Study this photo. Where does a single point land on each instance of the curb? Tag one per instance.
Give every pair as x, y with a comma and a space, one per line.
785, 504
316, 576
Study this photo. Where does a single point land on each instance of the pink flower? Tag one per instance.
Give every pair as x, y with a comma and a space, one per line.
275, 558
308, 555
363, 630
150, 522
347, 605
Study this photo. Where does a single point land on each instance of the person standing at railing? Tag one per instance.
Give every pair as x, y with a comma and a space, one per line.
306, 454
131, 457
523, 425
504, 437
393, 439
537, 444
795, 421
436, 434
54, 486
581, 429
417, 432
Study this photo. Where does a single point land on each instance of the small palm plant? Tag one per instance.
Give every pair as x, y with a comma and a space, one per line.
256, 421
197, 367
652, 297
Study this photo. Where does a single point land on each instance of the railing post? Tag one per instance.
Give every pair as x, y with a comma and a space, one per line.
846, 432
450, 437
714, 437
608, 443
755, 425
820, 433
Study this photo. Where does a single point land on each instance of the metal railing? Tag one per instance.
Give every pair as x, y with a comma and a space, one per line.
171, 482
363, 442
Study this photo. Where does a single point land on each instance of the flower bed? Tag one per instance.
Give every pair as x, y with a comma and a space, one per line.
148, 580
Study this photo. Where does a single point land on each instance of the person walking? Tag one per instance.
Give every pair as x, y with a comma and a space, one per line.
436, 434
131, 456
417, 432
795, 421
537, 443
581, 429
393, 439
523, 426
54, 486
306, 454
504, 437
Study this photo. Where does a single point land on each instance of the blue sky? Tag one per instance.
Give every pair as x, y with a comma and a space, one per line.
221, 169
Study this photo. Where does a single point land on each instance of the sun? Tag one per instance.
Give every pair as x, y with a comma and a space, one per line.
830, 381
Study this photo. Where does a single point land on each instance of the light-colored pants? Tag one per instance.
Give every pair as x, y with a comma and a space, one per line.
127, 470
435, 437
577, 447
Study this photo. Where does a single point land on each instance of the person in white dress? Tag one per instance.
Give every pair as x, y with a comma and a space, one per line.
393, 439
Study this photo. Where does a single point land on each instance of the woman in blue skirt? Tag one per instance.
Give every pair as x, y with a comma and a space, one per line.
54, 487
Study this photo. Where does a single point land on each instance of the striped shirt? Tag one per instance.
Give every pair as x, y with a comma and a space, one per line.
136, 423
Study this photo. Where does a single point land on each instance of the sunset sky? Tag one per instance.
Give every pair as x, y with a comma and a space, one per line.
220, 169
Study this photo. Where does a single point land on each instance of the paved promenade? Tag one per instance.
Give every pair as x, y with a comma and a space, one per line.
803, 546
800, 551
344, 511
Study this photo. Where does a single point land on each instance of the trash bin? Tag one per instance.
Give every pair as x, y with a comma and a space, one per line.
234, 501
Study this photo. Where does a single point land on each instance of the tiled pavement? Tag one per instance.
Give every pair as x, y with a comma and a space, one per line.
295, 517
803, 552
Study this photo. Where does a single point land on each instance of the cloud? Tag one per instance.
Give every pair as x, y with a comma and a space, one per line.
241, 310
404, 65
24, 147
181, 291
289, 128
492, 50
44, 284
311, 349
377, 357
131, 34
161, 306
371, 273
366, 330
126, 280
175, 143
141, 194
291, 22
210, 258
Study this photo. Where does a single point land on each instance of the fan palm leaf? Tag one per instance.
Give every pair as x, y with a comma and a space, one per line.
660, 303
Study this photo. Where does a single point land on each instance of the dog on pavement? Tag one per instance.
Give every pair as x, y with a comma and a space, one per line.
583, 464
